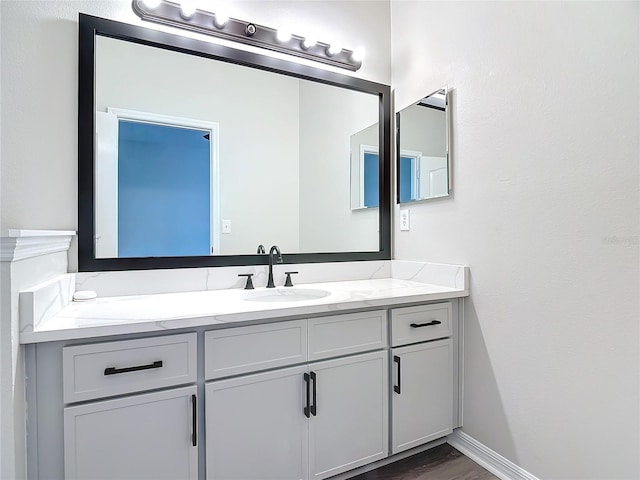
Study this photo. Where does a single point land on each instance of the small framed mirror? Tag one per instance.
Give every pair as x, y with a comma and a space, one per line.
423, 163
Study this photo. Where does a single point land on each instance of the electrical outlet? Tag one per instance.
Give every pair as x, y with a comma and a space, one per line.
226, 226
404, 220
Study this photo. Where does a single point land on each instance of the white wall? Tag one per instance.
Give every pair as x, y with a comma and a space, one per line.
39, 95
546, 213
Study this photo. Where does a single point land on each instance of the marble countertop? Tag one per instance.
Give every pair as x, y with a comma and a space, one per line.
222, 308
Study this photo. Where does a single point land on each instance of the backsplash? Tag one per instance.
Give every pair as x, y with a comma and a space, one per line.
445, 275
41, 302
141, 282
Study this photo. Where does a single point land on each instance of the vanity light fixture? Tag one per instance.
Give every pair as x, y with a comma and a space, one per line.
358, 54
283, 36
185, 15
152, 3
334, 49
220, 19
187, 8
308, 42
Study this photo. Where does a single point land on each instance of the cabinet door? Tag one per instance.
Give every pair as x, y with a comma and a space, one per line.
349, 422
256, 427
422, 394
147, 436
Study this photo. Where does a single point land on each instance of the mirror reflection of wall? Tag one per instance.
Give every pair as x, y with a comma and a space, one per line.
365, 168
278, 167
422, 157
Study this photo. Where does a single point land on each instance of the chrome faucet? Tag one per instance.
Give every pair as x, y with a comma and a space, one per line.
278, 259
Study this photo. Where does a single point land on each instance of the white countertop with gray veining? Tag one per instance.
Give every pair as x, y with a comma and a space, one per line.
223, 308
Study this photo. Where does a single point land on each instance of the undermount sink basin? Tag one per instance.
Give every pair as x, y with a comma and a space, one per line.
285, 295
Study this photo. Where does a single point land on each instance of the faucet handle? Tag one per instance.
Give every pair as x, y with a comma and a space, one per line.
249, 285
287, 282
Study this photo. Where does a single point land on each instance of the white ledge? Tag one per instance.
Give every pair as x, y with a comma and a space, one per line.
16, 244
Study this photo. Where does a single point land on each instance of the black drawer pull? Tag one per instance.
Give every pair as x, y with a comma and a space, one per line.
306, 409
194, 420
428, 324
115, 371
396, 388
314, 407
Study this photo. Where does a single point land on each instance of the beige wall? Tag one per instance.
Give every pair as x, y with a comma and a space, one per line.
545, 211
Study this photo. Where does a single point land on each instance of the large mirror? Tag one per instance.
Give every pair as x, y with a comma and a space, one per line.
422, 157
201, 153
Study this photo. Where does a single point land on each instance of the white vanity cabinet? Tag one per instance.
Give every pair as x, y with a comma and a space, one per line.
422, 392
141, 435
310, 421
290, 399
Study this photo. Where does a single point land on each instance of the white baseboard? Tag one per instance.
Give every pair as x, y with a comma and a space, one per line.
484, 456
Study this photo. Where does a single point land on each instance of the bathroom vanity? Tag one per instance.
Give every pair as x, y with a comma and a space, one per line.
227, 385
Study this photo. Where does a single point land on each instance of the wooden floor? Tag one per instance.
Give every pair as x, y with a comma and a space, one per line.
439, 463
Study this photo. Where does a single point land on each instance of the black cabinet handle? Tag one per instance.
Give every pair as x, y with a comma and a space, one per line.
428, 324
396, 388
115, 371
307, 386
194, 419
315, 405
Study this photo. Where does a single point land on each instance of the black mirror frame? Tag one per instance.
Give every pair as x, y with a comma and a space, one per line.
89, 27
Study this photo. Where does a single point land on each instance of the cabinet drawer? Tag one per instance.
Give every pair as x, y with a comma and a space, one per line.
249, 349
114, 368
417, 324
346, 334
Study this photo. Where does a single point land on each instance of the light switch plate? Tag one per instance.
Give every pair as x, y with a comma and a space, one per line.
226, 226
404, 220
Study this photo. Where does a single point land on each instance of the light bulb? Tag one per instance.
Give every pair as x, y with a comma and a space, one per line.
151, 3
283, 36
308, 42
358, 54
221, 19
334, 48
187, 8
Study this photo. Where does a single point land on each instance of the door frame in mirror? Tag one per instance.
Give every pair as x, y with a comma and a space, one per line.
90, 27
